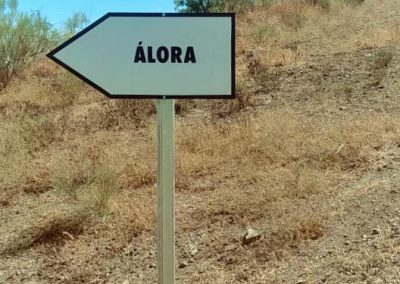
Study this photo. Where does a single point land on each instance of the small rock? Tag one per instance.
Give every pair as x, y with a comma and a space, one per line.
230, 247
125, 282
193, 250
347, 243
301, 281
230, 259
251, 236
183, 264
152, 265
376, 231
3, 277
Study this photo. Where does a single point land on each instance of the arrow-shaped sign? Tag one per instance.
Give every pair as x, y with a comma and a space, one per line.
142, 55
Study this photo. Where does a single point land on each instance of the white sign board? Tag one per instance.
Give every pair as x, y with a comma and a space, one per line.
142, 55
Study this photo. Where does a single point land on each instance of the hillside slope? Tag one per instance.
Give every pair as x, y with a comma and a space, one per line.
308, 156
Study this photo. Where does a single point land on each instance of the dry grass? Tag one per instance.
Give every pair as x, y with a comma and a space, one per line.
86, 178
52, 227
380, 64
290, 32
251, 164
236, 167
242, 168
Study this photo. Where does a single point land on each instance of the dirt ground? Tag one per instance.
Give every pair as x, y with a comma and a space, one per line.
347, 231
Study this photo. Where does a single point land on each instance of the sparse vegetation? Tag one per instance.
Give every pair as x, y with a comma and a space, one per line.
382, 59
380, 64
306, 154
324, 4
354, 2
75, 23
204, 6
23, 37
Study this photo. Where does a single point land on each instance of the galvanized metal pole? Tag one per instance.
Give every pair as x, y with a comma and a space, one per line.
166, 191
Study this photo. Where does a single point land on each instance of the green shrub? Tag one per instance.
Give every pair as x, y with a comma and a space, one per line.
354, 2
234, 5
204, 6
324, 4
23, 37
75, 23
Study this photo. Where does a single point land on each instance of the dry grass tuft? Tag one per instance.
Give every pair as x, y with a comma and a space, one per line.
133, 214
37, 184
380, 64
93, 182
53, 228
14, 154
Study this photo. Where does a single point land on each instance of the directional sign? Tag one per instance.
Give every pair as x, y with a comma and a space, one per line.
142, 55
165, 56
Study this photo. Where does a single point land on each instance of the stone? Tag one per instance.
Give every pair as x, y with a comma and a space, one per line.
376, 231
230, 247
193, 250
251, 236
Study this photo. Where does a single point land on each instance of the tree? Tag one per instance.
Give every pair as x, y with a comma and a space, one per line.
206, 6
194, 6
23, 36
75, 23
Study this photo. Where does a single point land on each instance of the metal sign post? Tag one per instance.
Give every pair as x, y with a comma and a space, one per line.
166, 191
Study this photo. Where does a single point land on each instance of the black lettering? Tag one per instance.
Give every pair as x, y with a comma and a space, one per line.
150, 57
176, 53
162, 54
140, 56
190, 57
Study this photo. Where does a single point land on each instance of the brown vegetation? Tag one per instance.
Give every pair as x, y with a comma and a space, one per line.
315, 121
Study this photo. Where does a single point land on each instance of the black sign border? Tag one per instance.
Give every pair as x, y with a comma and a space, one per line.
52, 53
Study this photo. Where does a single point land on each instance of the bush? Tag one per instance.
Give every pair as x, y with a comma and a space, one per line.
379, 66
354, 2
324, 4
234, 5
23, 37
87, 179
204, 6
75, 23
